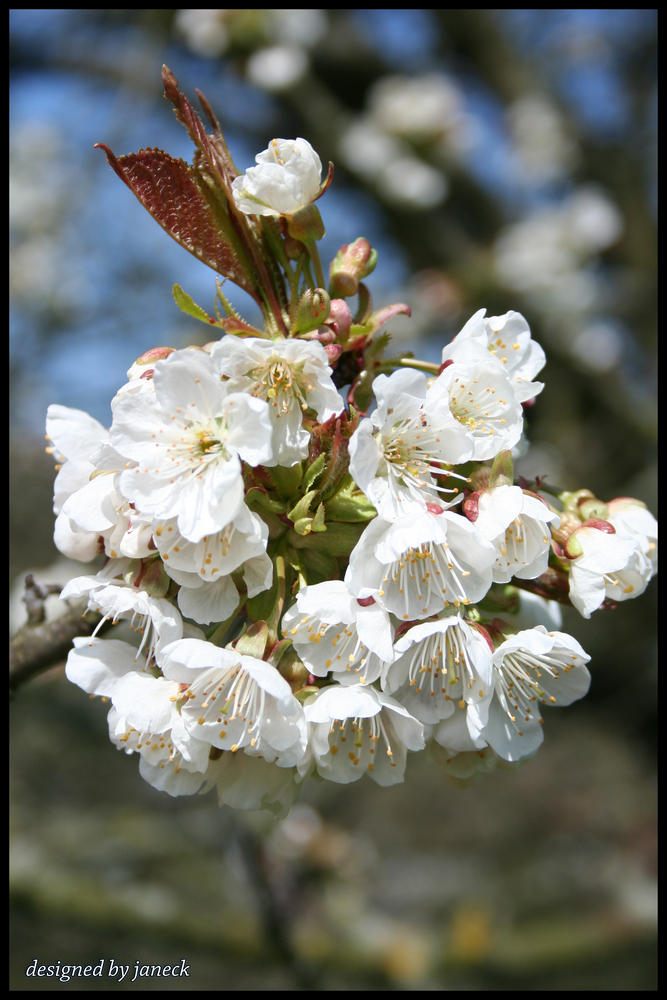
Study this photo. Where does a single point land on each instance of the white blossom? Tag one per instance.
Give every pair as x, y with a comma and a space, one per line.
203, 568
74, 437
333, 631
357, 730
517, 525
609, 566
480, 394
507, 338
154, 618
99, 509
293, 376
188, 441
394, 453
287, 177
440, 665
145, 720
237, 702
247, 782
532, 668
631, 519
421, 563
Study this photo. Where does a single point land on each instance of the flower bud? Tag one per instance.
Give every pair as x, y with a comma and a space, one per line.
571, 501
573, 546
144, 365
569, 523
333, 352
471, 505
592, 508
352, 263
340, 320
313, 310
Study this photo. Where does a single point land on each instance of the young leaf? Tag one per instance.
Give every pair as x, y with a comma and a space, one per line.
180, 200
187, 305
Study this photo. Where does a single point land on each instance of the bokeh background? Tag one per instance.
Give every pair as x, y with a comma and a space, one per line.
498, 158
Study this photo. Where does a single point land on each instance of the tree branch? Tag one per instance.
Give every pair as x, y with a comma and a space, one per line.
39, 644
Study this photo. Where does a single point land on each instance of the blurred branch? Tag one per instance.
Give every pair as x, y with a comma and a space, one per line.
39, 645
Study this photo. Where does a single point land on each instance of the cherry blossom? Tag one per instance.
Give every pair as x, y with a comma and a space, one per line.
293, 376
440, 665
517, 525
357, 730
188, 441
237, 702
395, 454
480, 394
605, 565
532, 668
421, 563
507, 338
287, 177
333, 631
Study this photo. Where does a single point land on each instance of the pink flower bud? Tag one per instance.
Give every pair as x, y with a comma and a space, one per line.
597, 522
155, 354
352, 263
340, 319
471, 505
365, 602
334, 351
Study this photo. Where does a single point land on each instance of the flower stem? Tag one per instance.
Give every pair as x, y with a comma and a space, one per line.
314, 255
280, 570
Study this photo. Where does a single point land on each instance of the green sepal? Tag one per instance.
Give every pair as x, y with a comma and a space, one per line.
305, 224
305, 692
313, 472
318, 521
502, 470
253, 641
155, 580
302, 508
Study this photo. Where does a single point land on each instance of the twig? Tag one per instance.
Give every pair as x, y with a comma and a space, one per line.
39, 644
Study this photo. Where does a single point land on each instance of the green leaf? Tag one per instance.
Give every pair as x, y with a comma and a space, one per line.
351, 509
187, 305
338, 540
319, 566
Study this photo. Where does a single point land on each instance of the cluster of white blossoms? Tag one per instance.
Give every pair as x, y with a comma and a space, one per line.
317, 591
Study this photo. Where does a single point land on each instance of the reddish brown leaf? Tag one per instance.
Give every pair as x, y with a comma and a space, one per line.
180, 200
